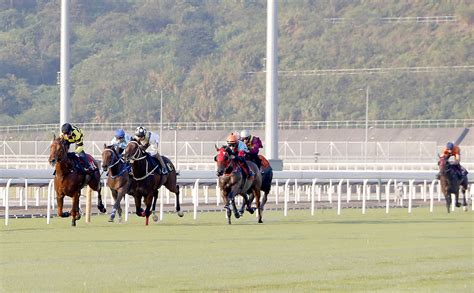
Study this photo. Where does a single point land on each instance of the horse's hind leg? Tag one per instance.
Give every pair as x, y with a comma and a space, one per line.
74, 209
95, 184
153, 206
174, 188
256, 193
463, 191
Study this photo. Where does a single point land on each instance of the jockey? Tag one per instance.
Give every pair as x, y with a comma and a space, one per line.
73, 134
149, 139
455, 151
239, 149
120, 140
254, 144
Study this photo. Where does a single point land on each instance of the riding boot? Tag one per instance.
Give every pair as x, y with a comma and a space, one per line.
85, 162
164, 169
249, 171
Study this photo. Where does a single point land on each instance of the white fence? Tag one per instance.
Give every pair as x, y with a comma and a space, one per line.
297, 155
306, 187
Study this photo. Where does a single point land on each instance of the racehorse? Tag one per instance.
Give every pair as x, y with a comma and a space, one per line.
118, 179
450, 183
69, 178
267, 177
232, 183
147, 180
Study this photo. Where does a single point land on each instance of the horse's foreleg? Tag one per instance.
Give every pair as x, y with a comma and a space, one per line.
148, 203
114, 209
225, 200
60, 202
138, 203
448, 201
234, 208
463, 191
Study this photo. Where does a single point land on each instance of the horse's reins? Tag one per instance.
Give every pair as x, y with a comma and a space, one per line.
135, 158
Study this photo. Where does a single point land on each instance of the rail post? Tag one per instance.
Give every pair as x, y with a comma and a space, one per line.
88, 204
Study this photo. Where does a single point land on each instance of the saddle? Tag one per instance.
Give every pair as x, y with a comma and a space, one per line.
153, 161
81, 165
265, 162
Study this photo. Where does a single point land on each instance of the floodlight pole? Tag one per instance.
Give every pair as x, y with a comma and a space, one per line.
65, 99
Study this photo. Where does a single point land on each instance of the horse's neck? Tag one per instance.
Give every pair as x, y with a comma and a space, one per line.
115, 170
139, 167
64, 167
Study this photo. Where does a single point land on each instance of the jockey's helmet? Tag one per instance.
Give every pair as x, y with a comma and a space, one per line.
66, 128
119, 134
450, 146
244, 134
140, 131
231, 139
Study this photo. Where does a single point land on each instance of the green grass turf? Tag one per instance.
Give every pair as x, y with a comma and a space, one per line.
418, 252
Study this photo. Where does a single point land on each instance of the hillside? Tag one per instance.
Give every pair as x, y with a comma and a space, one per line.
208, 58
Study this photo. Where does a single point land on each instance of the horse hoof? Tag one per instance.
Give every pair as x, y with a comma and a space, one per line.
111, 219
465, 208
101, 208
65, 215
260, 221
180, 214
237, 215
155, 218
78, 217
73, 223
251, 211
458, 205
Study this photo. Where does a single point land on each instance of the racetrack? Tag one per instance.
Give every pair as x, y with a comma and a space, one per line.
421, 251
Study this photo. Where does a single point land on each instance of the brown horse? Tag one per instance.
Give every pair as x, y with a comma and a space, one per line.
451, 183
118, 179
148, 181
232, 183
70, 178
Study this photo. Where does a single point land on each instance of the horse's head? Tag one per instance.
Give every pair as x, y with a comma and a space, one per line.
109, 157
57, 150
222, 160
444, 165
133, 152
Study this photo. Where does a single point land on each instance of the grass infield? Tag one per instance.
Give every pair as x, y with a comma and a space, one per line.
418, 252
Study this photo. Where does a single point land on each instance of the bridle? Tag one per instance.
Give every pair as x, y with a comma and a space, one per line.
139, 154
114, 156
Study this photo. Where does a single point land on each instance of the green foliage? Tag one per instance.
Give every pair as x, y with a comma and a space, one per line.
208, 57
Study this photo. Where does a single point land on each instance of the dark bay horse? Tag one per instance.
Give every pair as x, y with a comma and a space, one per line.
147, 180
70, 178
267, 177
232, 183
451, 183
119, 180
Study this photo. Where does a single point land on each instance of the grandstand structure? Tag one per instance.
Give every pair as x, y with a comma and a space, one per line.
303, 145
